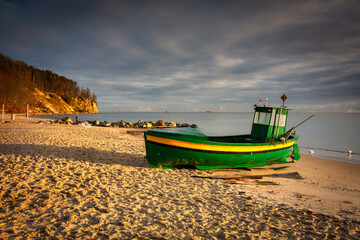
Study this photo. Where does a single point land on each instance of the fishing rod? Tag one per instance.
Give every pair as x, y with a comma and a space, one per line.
287, 134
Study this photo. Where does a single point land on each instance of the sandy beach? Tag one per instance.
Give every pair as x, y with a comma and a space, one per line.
67, 181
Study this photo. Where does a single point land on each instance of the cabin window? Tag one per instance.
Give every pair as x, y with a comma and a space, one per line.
281, 121
273, 114
262, 118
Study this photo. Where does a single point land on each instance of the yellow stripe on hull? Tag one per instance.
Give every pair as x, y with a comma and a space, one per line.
218, 148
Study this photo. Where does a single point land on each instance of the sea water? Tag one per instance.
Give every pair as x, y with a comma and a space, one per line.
329, 135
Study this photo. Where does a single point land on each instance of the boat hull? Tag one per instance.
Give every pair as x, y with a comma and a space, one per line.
169, 151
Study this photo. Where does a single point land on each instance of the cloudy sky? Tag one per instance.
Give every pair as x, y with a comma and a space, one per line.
194, 55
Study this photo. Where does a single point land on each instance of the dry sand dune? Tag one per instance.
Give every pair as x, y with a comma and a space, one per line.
60, 181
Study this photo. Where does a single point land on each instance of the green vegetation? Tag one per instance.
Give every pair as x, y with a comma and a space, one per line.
19, 81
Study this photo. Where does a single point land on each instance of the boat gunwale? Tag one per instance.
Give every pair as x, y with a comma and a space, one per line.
220, 147
221, 152
197, 140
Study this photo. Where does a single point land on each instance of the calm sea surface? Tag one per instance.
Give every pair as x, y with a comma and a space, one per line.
329, 135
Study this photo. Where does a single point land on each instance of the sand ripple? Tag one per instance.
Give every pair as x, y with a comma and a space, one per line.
75, 182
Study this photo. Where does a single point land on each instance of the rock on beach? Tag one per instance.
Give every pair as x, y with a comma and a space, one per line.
123, 124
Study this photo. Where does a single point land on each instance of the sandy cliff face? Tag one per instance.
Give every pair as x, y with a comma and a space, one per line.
53, 103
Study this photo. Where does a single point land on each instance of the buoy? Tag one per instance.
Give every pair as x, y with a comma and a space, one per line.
311, 151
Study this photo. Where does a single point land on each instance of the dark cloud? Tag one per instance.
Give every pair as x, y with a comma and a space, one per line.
182, 55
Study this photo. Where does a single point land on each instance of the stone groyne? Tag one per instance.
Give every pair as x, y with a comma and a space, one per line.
123, 124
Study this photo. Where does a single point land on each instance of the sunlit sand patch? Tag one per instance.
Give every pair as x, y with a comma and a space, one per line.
77, 182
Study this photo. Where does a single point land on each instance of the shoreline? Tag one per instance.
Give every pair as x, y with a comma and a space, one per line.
331, 155
71, 181
336, 155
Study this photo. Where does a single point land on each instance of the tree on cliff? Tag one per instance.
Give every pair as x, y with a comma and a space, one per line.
94, 98
18, 81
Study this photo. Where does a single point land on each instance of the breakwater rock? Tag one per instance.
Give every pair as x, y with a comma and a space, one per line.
124, 124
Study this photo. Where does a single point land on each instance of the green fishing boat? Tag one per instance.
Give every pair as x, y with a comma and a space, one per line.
268, 143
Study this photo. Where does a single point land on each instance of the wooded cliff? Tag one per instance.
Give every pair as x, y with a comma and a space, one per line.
43, 90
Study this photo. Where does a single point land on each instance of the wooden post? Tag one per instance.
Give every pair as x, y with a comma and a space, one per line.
27, 111
3, 113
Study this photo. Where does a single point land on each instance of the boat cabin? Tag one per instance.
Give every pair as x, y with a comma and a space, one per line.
269, 122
